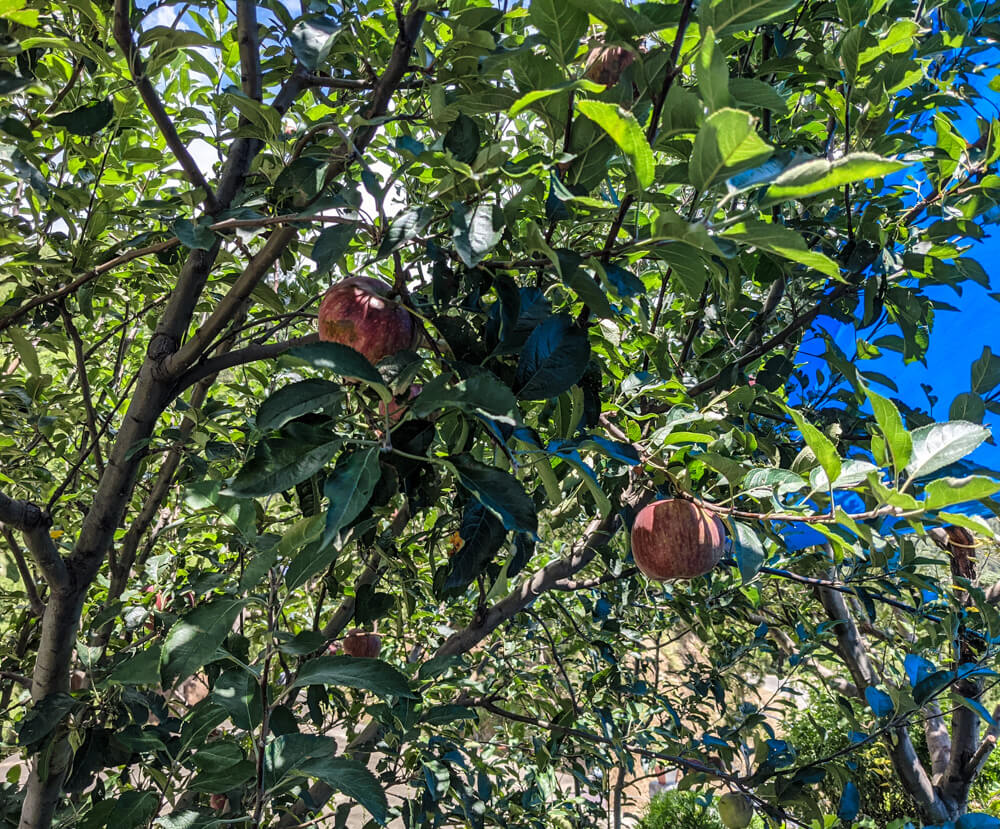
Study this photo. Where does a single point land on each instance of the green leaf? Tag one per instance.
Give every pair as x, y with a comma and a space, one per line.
371, 675
820, 175
349, 489
405, 227
330, 245
195, 638
141, 668
977, 525
748, 551
302, 532
937, 445
351, 778
341, 359
890, 423
289, 402
850, 46
11, 83
308, 561
475, 231
286, 462
947, 491
621, 125
983, 712
713, 74
194, 235
482, 534
224, 778
751, 92
784, 242
25, 350
134, 809
15, 11
534, 95
43, 717
553, 359
85, 120
311, 755
986, 372
462, 139
313, 39
498, 491
483, 393
821, 445
967, 406
728, 16
583, 284
726, 142
169, 38
13, 127
561, 24
238, 692
286, 753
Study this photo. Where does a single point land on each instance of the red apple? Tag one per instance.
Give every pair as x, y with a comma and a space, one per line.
363, 645
396, 410
675, 539
218, 802
605, 64
358, 313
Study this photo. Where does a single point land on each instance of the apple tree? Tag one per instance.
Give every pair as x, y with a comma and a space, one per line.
275, 559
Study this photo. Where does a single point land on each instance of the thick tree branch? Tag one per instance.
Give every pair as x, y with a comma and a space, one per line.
938, 740
598, 533
217, 321
986, 747
956, 781
246, 36
153, 393
250, 354
137, 69
34, 523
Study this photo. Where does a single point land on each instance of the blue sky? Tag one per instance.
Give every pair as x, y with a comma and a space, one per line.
958, 337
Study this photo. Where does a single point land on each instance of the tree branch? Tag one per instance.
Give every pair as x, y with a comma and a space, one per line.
956, 781
986, 747
598, 534
137, 69
84, 278
938, 740
30, 588
904, 758
671, 71
81, 370
153, 393
256, 268
780, 338
34, 523
246, 35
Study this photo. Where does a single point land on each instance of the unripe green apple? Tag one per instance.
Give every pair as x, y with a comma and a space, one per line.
735, 810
